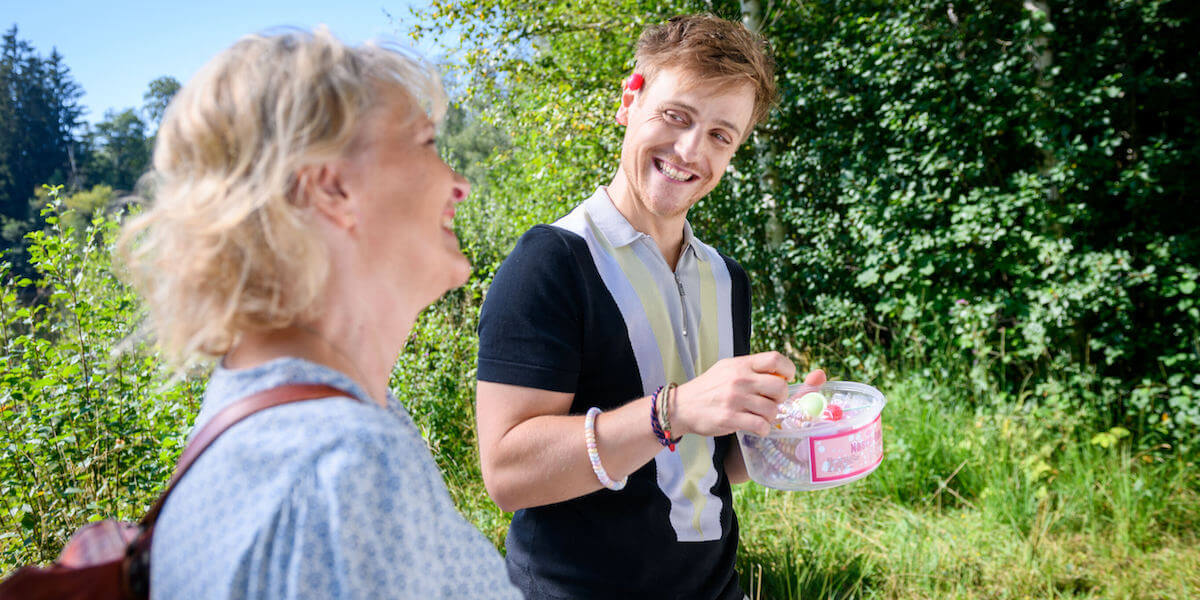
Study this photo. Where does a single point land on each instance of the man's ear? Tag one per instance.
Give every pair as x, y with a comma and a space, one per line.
627, 96
322, 187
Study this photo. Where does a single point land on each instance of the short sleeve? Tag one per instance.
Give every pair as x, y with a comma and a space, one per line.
530, 325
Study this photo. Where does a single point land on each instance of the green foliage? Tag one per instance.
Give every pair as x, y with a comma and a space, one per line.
994, 178
43, 139
954, 183
88, 429
435, 380
81, 207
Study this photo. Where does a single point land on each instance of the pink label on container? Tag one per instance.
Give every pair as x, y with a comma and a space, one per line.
846, 454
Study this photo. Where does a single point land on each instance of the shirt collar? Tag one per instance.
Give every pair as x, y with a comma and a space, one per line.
226, 385
617, 230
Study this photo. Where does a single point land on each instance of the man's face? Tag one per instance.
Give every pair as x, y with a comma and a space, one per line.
680, 138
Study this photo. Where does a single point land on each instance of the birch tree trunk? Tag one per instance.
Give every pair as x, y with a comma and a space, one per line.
1042, 61
752, 18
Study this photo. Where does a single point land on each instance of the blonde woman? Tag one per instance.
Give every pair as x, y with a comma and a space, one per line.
301, 220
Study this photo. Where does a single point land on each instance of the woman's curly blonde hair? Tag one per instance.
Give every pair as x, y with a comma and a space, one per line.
227, 244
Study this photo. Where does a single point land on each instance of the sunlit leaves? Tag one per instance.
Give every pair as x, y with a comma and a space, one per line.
86, 431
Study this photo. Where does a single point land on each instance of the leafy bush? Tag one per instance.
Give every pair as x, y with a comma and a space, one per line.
1014, 177
89, 429
995, 191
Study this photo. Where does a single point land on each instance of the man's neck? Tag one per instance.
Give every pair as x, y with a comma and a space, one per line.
667, 232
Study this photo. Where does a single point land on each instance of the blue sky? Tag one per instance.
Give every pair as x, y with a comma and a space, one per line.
115, 48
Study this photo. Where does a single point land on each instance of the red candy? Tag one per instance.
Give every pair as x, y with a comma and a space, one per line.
832, 412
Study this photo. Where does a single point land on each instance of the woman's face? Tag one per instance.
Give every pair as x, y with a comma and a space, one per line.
404, 197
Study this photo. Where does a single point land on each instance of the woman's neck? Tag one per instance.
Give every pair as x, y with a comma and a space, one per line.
348, 350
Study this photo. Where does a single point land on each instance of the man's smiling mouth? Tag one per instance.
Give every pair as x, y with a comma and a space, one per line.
672, 173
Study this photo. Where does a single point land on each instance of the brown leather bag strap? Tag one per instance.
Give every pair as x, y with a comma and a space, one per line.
230, 416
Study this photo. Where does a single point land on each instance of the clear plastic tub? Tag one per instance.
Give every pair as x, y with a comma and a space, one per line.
823, 453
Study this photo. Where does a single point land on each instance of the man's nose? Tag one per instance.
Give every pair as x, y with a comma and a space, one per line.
689, 144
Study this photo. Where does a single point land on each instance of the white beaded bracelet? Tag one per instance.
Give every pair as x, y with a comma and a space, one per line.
589, 432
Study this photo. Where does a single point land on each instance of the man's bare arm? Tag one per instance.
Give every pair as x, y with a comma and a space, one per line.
533, 453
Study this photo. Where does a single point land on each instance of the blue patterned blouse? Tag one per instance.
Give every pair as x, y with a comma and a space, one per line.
327, 498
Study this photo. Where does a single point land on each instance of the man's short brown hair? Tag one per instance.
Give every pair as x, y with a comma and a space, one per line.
710, 48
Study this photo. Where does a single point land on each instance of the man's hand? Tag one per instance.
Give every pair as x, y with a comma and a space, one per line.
741, 393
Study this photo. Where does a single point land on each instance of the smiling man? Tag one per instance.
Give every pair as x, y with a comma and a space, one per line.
613, 352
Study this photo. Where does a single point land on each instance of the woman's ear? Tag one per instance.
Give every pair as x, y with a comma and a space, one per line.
323, 188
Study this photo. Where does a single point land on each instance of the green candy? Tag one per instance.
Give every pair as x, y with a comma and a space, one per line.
812, 404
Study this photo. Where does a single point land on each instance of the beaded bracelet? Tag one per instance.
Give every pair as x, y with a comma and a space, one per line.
589, 433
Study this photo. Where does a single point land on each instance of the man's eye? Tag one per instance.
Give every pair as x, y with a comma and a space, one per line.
722, 137
675, 117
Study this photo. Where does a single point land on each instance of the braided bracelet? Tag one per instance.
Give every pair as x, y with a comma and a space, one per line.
665, 415
662, 434
589, 433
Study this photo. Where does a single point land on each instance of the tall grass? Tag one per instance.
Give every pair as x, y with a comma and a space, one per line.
980, 505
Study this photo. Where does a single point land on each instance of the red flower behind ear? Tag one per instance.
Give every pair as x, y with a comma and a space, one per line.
635, 82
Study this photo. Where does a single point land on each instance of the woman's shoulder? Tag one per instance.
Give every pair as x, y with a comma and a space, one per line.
374, 492
359, 436
313, 485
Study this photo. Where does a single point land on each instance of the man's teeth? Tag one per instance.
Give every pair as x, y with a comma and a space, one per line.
448, 223
673, 173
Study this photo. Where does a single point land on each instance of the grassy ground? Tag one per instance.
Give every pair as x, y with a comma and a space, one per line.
967, 505
836, 545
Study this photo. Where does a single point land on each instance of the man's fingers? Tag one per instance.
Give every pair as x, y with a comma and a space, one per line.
815, 378
773, 387
773, 362
752, 423
766, 408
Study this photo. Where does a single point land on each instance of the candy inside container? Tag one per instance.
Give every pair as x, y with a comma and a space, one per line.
822, 438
